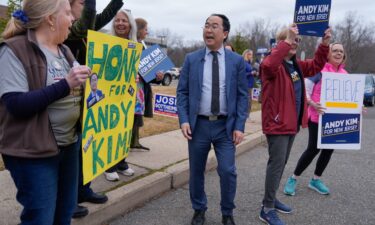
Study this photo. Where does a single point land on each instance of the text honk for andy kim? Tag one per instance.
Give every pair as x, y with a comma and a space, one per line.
107, 125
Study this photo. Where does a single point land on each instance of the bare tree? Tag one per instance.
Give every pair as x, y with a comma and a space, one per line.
177, 54
358, 40
239, 42
175, 45
308, 46
171, 39
254, 34
357, 36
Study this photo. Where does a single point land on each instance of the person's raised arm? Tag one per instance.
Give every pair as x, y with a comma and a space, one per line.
272, 62
85, 22
108, 13
311, 67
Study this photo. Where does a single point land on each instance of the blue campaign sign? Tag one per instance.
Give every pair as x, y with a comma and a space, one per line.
340, 129
312, 16
256, 94
262, 51
165, 105
153, 59
273, 43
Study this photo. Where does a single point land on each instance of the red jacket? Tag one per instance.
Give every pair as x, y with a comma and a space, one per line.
279, 114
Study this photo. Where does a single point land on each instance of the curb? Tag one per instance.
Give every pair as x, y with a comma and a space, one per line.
126, 198
135, 194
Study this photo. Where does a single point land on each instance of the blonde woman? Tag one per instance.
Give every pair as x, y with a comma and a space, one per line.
123, 26
39, 109
335, 64
248, 57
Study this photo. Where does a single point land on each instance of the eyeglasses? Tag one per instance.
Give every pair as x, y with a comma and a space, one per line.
213, 26
298, 39
338, 51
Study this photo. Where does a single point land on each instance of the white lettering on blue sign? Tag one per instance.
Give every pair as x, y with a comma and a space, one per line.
313, 9
144, 61
323, 8
155, 53
334, 124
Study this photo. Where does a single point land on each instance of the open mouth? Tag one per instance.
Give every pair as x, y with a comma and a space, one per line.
337, 58
121, 29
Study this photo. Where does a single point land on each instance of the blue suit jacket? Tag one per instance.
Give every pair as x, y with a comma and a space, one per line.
190, 87
91, 100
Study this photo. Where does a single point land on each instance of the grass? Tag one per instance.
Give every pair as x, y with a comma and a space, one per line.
255, 106
158, 124
161, 124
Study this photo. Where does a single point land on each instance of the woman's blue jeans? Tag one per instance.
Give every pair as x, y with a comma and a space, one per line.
46, 187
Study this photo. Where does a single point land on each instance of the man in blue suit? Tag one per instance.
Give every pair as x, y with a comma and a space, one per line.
95, 95
212, 103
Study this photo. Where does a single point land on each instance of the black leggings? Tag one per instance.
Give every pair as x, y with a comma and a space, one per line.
310, 153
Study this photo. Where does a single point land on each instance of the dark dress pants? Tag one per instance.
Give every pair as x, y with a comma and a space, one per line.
206, 133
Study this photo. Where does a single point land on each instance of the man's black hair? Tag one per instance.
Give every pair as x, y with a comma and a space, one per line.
93, 74
226, 23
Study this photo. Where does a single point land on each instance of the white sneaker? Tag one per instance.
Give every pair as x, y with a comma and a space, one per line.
111, 176
128, 172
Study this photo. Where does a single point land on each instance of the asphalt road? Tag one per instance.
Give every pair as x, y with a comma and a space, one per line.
350, 177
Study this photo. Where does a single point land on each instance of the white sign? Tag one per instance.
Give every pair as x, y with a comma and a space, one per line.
255, 94
342, 96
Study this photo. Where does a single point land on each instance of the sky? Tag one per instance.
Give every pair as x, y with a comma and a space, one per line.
186, 18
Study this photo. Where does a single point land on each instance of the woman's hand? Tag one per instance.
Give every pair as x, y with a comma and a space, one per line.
326, 39
318, 107
77, 76
364, 109
159, 75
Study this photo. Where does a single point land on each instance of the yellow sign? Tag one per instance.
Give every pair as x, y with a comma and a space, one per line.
347, 105
110, 94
